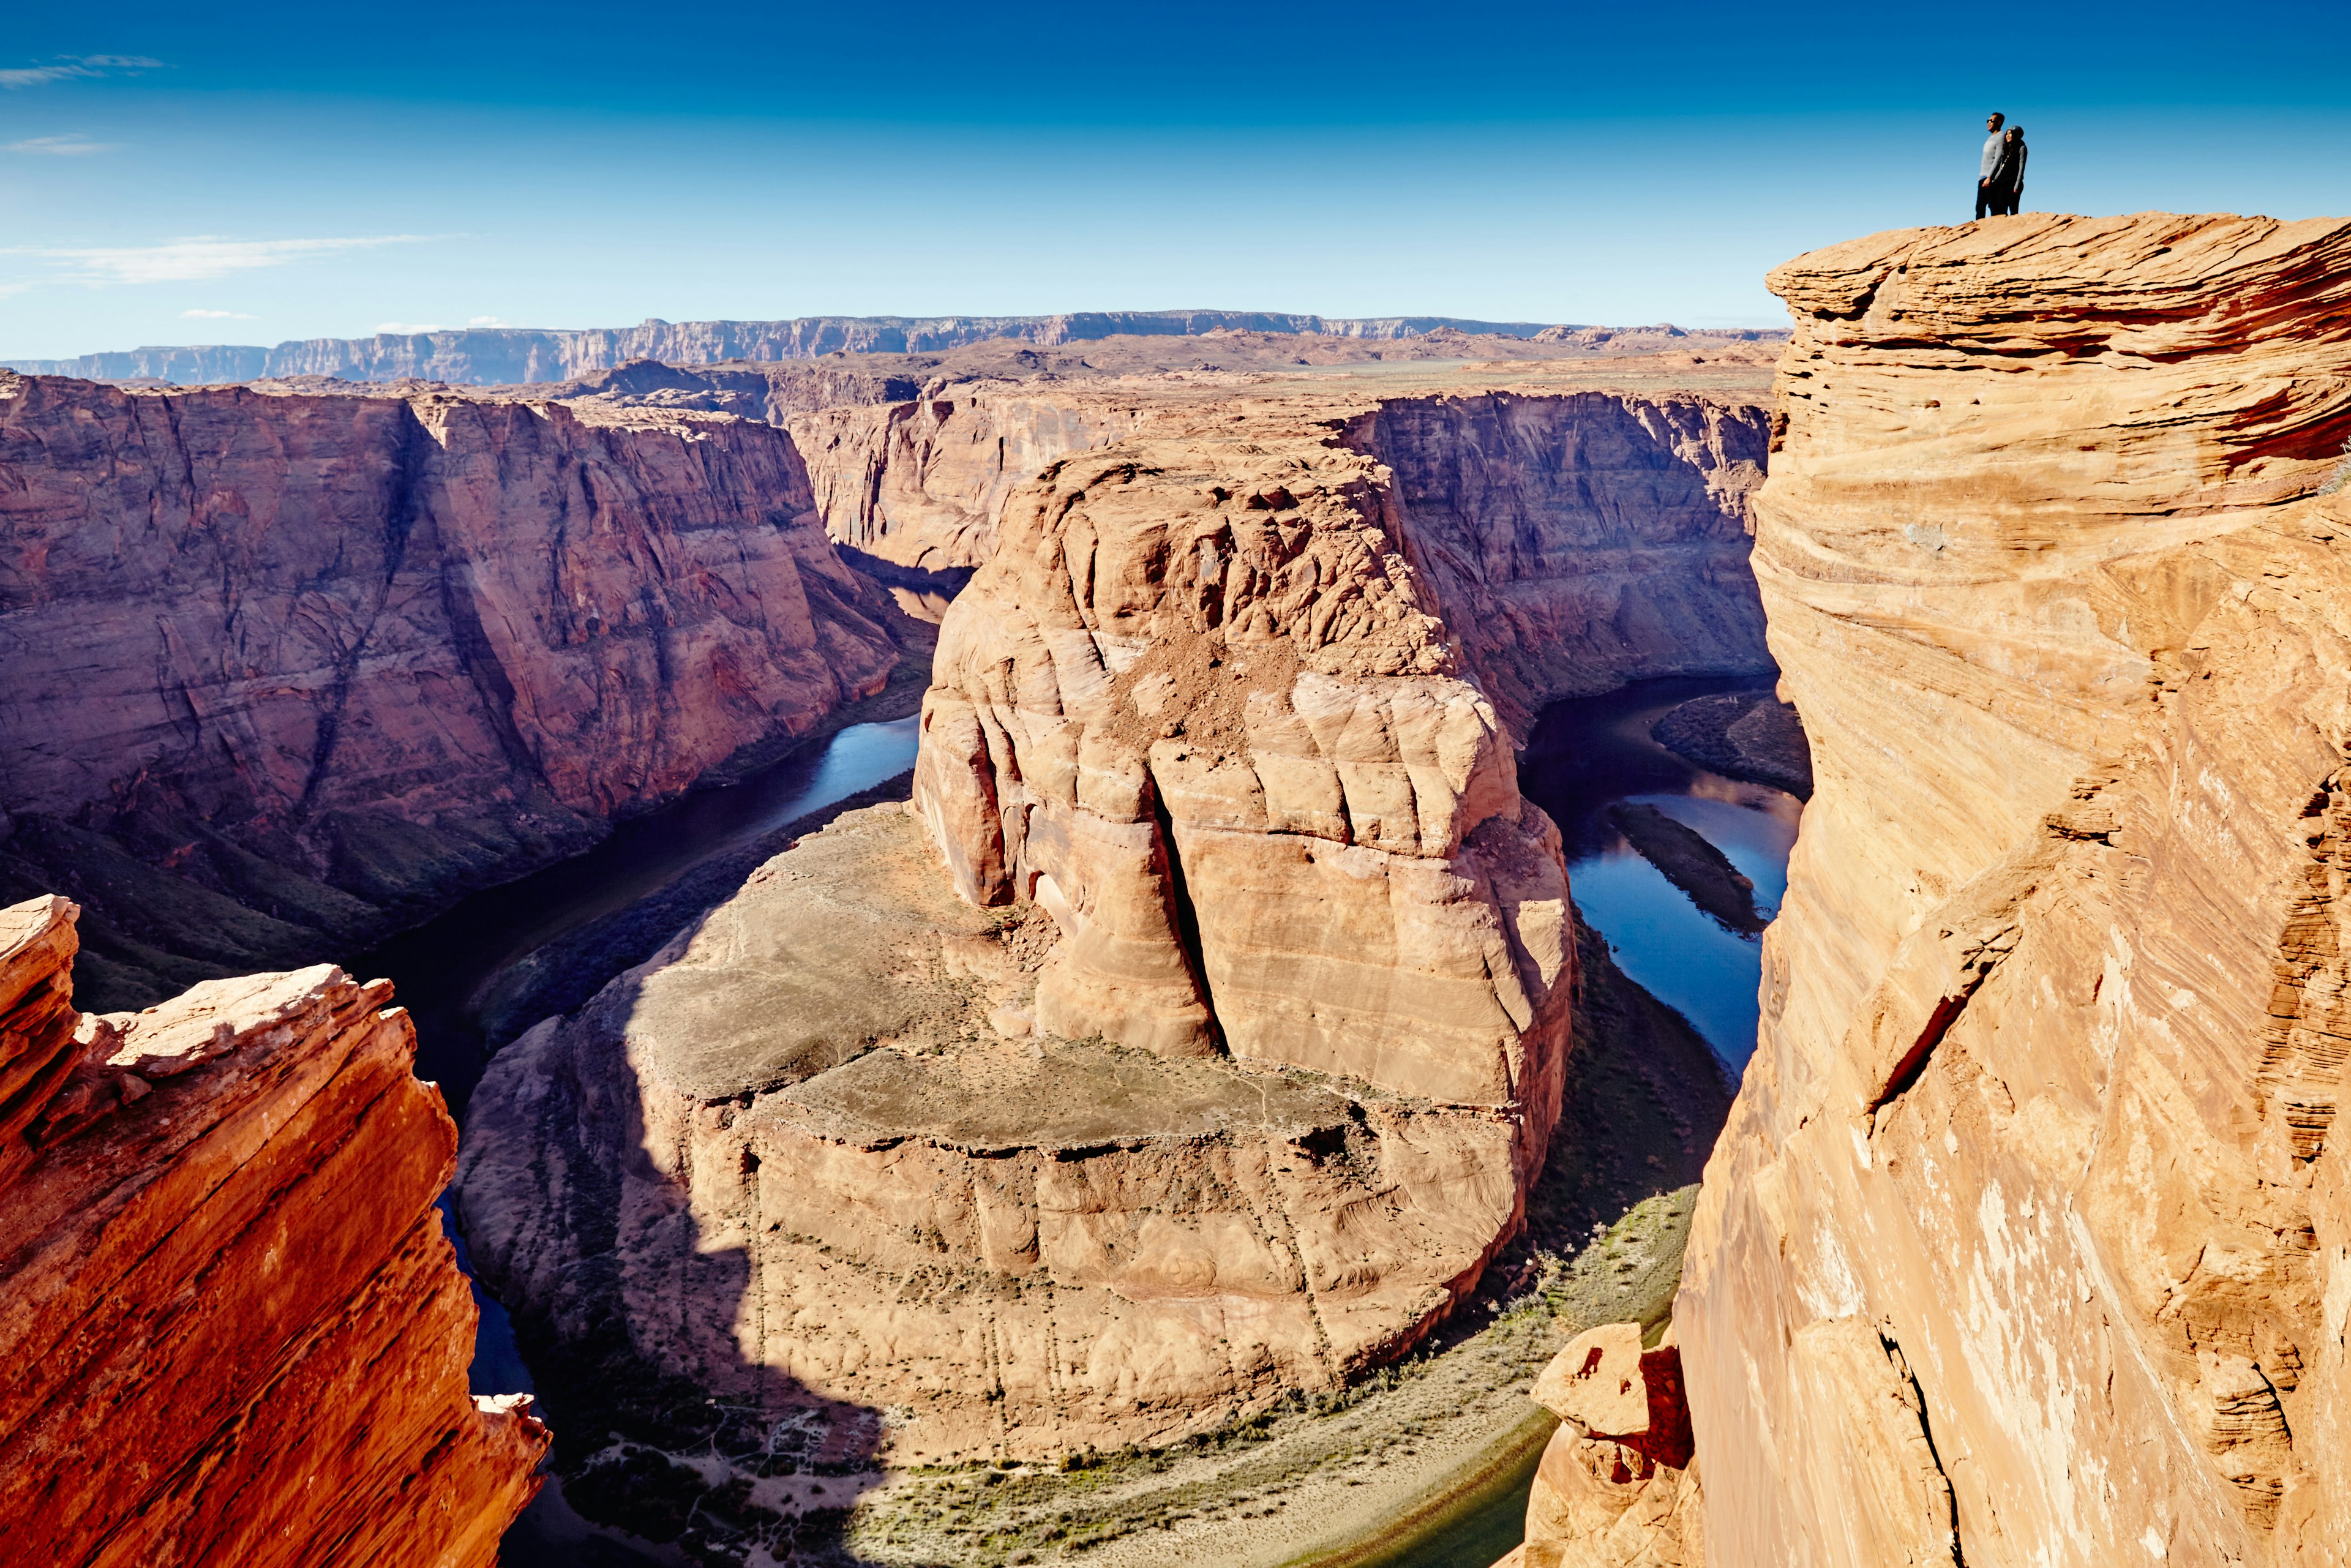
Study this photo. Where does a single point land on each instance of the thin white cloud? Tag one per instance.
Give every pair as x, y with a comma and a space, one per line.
196, 259
216, 316
406, 329
72, 145
66, 67
487, 321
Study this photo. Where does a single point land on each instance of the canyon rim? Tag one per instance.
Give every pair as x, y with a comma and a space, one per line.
1174, 1059
2026, 1242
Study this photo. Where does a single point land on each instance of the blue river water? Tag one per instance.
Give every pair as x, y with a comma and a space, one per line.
1588, 754
1584, 756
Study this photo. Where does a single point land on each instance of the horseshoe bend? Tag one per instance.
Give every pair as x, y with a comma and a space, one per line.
1188, 1110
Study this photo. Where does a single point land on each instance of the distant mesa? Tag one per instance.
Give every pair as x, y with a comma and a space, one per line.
507, 356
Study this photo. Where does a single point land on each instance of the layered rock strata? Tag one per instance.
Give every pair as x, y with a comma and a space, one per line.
1206, 1053
2028, 1240
817, 1159
283, 671
922, 483
219, 1234
1579, 540
1584, 537
1201, 686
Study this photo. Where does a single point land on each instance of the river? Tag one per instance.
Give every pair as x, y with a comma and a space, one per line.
1584, 756
442, 970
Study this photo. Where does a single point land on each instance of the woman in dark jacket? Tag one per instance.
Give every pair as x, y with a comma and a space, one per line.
2008, 174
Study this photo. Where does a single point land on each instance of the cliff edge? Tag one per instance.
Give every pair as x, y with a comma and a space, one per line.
2028, 1239
232, 1329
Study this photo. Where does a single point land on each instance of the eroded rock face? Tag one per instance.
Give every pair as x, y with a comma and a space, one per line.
1201, 708
1579, 541
1195, 1043
1616, 1487
328, 659
922, 483
2028, 1240
218, 1234
1576, 540
815, 1158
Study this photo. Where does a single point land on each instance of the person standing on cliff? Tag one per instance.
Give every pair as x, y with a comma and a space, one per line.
2008, 177
1984, 196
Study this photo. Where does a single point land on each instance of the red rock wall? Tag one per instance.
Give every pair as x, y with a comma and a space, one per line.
392, 646
922, 483
231, 1328
2028, 1240
1582, 540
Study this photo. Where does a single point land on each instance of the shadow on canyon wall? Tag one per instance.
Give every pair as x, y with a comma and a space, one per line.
921, 593
705, 1471
746, 1456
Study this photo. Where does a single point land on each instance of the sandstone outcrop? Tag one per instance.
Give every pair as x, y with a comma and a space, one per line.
283, 672
1200, 691
2028, 1240
1617, 1487
233, 1328
1229, 1068
820, 1158
1578, 540
1581, 538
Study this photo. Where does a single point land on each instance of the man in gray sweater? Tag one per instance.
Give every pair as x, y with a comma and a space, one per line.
1985, 195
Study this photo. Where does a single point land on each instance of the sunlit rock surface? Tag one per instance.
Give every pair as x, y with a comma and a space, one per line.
2028, 1240
282, 672
231, 1327
1195, 1041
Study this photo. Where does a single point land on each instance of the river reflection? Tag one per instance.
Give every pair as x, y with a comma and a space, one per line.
1589, 753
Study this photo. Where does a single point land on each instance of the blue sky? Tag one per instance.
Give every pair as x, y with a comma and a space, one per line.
247, 174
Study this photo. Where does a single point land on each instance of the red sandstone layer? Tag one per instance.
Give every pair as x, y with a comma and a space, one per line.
2028, 1240
232, 1330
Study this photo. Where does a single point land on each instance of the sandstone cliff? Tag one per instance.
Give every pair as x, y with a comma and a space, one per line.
1574, 539
232, 1329
1579, 540
816, 1159
1201, 689
1229, 1068
922, 483
285, 671
2028, 1240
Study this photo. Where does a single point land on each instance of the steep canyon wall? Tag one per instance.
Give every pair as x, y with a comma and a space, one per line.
231, 1327
2028, 1240
1576, 540
1195, 1043
1581, 541
922, 483
283, 671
